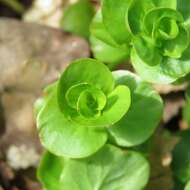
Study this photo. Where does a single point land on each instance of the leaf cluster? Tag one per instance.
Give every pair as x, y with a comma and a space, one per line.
154, 34
88, 108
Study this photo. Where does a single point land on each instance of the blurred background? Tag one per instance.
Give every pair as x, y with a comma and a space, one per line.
38, 38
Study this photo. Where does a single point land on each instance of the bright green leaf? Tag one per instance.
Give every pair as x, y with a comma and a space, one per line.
144, 114
108, 169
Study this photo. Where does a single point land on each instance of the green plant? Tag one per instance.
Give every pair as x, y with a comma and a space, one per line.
153, 33
87, 109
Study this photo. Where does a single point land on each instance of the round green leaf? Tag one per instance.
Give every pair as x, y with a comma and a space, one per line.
108, 169
84, 108
64, 138
144, 114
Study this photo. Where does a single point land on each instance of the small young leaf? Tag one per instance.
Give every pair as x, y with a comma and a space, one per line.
73, 94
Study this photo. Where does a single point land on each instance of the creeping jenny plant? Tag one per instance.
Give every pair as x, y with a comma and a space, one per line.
88, 108
153, 33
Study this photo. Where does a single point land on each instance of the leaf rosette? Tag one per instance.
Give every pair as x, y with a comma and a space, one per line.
89, 104
80, 107
154, 33
87, 94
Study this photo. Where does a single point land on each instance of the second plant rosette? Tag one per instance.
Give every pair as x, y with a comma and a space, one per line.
153, 33
89, 105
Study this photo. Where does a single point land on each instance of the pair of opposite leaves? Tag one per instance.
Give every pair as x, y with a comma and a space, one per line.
155, 33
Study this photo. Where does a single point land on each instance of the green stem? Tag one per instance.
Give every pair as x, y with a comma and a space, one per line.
14, 4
